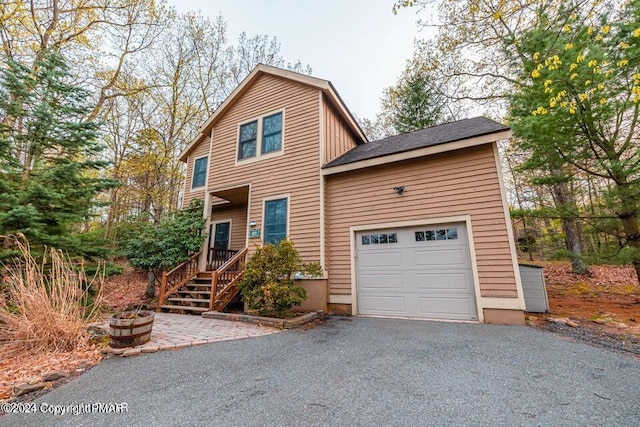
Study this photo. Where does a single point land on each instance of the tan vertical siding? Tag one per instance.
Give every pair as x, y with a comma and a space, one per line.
327, 245
295, 173
238, 217
202, 149
339, 139
464, 182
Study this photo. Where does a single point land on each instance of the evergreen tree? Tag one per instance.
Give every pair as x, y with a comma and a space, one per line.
48, 151
414, 103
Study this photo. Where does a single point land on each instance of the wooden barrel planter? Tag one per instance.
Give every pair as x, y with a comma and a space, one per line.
130, 328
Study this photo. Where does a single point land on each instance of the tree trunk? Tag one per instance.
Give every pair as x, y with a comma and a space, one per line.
111, 212
573, 245
151, 284
628, 214
527, 238
632, 234
567, 206
581, 237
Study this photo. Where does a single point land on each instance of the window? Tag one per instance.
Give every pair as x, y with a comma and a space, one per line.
379, 239
275, 220
439, 234
272, 133
199, 172
269, 130
248, 138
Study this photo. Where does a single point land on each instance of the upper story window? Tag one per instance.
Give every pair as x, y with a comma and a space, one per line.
272, 133
199, 172
268, 128
248, 138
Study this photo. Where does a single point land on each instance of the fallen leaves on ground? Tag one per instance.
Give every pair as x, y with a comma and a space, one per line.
18, 366
608, 278
606, 300
125, 290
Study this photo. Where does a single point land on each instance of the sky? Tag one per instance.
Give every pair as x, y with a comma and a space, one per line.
359, 45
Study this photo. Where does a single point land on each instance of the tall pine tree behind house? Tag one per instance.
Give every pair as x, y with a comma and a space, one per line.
48, 156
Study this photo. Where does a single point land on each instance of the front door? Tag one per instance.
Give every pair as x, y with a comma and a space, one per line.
219, 235
219, 251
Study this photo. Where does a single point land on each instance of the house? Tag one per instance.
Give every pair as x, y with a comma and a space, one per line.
414, 225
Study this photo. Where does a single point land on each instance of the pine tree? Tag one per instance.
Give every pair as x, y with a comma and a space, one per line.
414, 103
48, 156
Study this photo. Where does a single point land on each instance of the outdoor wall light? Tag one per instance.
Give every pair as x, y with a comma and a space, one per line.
399, 190
252, 223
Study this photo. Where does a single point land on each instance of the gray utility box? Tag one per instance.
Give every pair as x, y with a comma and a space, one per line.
533, 286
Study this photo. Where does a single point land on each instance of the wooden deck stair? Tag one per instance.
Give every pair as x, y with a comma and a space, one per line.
185, 291
192, 297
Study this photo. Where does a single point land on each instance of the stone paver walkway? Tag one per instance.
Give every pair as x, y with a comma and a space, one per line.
174, 331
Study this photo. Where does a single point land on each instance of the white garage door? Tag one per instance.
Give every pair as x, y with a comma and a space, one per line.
416, 272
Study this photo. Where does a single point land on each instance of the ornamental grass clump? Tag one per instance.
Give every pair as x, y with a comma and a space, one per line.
46, 304
268, 285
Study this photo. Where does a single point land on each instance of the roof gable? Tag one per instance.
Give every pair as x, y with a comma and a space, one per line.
261, 69
436, 135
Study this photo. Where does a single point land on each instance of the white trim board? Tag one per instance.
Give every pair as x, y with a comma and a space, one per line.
507, 220
322, 185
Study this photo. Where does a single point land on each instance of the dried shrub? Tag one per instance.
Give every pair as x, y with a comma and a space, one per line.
47, 304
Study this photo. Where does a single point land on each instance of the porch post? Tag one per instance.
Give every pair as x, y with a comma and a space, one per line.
202, 262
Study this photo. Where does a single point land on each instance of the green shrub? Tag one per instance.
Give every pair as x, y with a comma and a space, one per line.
268, 285
163, 246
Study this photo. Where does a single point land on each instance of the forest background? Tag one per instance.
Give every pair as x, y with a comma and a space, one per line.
98, 98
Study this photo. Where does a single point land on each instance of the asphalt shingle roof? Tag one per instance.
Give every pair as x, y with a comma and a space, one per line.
441, 134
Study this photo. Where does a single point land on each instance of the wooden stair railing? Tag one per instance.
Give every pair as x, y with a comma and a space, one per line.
224, 280
177, 278
216, 258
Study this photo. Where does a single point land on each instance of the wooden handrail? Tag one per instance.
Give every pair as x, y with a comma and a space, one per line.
216, 258
238, 258
196, 255
183, 273
224, 267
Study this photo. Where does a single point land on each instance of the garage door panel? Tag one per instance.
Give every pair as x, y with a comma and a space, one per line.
380, 259
393, 282
444, 281
392, 305
440, 257
416, 275
447, 308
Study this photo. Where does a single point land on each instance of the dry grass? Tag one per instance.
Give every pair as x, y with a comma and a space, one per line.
46, 306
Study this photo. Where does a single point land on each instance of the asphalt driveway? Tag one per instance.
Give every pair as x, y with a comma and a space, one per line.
361, 372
